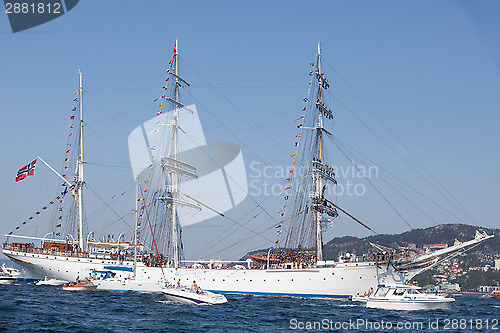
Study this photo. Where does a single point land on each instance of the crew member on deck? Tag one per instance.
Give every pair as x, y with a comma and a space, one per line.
194, 286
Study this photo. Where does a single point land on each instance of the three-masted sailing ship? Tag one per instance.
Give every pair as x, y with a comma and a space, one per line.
154, 257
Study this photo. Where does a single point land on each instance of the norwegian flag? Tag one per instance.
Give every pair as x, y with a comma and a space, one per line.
27, 170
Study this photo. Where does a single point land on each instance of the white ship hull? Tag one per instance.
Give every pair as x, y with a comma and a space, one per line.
7, 280
128, 284
410, 305
342, 280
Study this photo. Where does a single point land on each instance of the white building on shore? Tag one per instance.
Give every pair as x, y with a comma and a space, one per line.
488, 289
449, 286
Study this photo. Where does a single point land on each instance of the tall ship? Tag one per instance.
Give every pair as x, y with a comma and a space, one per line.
167, 163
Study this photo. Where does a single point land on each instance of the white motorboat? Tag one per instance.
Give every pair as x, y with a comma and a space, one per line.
363, 298
8, 274
189, 296
406, 297
359, 298
50, 282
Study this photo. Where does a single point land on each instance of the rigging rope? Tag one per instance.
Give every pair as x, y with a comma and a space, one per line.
37, 213
404, 160
152, 233
352, 217
270, 137
376, 189
361, 157
405, 146
398, 191
114, 211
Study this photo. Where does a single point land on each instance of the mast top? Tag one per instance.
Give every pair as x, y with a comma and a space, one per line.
319, 48
80, 74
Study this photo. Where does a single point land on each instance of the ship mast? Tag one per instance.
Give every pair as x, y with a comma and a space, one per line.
79, 172
317, 181
174, 175
321, 172
175, 168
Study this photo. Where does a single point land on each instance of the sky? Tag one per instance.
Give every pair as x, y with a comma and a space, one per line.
414, 89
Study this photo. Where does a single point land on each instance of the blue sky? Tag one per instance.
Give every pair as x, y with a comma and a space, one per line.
430, 70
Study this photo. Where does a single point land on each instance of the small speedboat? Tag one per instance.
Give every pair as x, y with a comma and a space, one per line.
186, 295
80, 286
406, 297
8, 274
50, 282
493, 294
359, 298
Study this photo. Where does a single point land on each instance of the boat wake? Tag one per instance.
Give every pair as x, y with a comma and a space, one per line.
346, 305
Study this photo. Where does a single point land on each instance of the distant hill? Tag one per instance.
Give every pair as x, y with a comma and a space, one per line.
440, 234
443, 233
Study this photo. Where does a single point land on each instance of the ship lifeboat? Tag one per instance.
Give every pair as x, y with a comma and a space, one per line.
264, 259
80, 286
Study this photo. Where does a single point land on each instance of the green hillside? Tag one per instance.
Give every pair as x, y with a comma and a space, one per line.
444, 233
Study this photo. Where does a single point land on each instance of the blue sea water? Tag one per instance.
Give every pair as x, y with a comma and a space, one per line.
25, 307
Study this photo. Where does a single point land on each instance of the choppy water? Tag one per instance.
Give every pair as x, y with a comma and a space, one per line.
26, 307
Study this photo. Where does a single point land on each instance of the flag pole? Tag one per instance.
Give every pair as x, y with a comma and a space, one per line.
79, 163
57, 173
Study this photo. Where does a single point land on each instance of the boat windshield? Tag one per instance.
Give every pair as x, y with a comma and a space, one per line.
381, 292
399, 292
